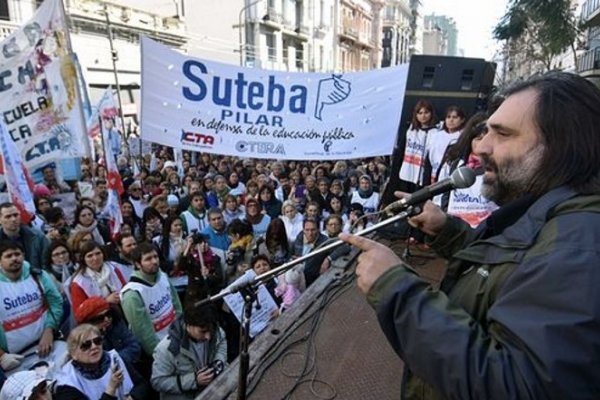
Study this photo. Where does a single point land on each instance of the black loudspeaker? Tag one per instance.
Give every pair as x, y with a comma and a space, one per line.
444, 82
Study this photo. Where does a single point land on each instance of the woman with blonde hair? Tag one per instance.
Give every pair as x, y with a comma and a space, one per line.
93, 373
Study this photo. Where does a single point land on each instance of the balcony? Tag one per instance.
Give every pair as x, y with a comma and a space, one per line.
273, 18
588, 64
590, 13
7, 28
127, 22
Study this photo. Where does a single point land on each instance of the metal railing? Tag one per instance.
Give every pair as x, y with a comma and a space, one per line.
6, 28
589, 8
589, 60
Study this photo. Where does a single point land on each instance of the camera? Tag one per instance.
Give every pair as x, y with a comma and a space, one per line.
234, 256
197, 237
217, 367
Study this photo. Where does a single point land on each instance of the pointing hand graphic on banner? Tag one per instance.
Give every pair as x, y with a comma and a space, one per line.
331, 91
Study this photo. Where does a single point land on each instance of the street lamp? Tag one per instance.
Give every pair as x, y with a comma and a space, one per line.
240, 29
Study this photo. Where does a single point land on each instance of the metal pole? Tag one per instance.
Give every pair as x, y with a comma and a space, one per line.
115, 57
242, 45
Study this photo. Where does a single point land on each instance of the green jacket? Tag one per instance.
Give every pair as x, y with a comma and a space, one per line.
135, 312
52, 295
519, 313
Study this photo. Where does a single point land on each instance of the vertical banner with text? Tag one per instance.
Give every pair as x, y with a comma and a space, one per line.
39, 98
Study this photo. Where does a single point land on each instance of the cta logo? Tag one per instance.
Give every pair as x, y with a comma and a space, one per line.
196, 139
259, 147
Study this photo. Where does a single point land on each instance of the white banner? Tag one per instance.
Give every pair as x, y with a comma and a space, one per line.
38, 85
224, 109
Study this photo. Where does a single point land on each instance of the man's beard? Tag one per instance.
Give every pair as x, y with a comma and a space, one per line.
513, 177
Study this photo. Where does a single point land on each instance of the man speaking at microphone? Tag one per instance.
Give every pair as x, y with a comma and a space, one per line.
517, 315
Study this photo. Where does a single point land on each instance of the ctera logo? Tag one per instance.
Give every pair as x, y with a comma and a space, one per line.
331, 91
259, 147
197, 139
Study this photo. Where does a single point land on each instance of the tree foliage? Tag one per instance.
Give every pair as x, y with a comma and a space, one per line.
548, 27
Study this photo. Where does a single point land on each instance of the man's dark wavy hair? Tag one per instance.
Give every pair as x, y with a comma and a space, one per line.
567, 113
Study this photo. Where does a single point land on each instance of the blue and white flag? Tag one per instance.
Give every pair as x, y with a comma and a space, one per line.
218, 108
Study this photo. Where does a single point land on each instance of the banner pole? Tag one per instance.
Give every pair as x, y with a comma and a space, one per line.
115, 57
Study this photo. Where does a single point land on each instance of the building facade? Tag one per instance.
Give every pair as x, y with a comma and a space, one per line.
588, 62
447, 27
88, 22
397, 33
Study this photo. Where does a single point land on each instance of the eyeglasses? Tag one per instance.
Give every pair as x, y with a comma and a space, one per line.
85, 346
98, 319
135, 189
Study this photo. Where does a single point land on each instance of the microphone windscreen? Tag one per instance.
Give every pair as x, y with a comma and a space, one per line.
463, 177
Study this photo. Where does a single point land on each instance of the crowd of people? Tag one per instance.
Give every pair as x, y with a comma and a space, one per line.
114, 316
120, 310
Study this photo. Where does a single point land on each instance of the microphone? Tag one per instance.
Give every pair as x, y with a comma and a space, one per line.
461, 178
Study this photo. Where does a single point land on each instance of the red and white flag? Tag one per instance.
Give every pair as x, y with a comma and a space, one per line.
115, 188
18, 181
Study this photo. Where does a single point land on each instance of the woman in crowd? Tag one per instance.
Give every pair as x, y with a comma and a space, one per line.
259, 220
421, 127
85, 221
115, 332
439, 140
170, 243
233, 209
269, 203
216, 197
251, 190
333, 226
94, 277
340, 170
292, 220
276, 245
152, 223
261, 265
366, 196
237, 188
203, 269
92, 373
129, 216
474, 208
61, 263
337, 208
356, 220
241, 250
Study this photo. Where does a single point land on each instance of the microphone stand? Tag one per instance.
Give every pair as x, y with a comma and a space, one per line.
249, 289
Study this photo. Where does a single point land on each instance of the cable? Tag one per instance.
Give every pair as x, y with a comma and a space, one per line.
281, 351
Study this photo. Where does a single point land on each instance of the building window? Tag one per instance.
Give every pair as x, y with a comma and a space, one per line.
4, 10
271, 47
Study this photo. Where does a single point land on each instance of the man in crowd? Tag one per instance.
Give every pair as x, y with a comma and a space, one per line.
149, 301
216, 232
195, 218
32, 241
308, 240
191, 356
517, 315
52, 182
31, 310
123, 260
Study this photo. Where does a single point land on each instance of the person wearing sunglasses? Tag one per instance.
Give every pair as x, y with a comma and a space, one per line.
117, 336
92, 372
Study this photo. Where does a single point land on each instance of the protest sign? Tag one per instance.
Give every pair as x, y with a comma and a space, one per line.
38, 82
218, 108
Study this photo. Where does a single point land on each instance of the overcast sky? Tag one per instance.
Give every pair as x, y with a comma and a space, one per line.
475, 20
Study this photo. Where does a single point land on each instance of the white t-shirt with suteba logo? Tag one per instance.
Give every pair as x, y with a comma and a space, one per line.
411, 169
437, 143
